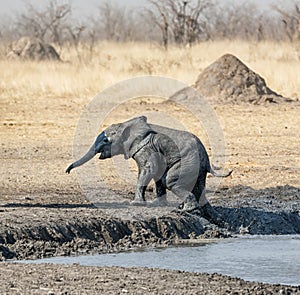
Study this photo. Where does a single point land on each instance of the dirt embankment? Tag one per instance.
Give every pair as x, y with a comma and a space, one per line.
83, 231
34, 231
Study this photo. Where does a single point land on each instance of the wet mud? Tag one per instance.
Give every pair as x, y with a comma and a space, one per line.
38, 230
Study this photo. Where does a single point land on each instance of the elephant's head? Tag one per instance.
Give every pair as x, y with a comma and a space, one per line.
115, 140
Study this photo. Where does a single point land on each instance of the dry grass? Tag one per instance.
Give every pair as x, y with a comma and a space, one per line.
83, 74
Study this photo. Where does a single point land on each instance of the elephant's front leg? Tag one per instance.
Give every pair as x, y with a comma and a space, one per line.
161, 194
145, 176
161, 190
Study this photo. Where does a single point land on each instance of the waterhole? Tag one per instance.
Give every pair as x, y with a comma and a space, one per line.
268, 259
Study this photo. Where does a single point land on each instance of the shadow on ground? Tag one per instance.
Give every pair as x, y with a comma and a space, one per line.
39, 205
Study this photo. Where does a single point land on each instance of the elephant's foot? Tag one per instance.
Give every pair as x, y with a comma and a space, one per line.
189, 205
159, 202
209, 213
138, 202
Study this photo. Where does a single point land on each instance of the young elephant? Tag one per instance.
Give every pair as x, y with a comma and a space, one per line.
176, 160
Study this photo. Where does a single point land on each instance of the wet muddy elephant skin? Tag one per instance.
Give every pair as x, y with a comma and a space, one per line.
176, 160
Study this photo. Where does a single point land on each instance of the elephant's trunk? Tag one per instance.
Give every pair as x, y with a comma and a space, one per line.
88, 156
96, 148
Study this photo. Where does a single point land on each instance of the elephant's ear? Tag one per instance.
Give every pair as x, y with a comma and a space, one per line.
126, 134
135, 120
133, 134
127, 142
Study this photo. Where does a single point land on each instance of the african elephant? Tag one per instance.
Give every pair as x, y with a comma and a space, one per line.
176, 160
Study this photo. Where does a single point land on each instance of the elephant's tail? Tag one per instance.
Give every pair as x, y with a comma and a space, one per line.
214, 173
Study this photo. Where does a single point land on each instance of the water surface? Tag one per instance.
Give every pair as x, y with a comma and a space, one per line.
268, 259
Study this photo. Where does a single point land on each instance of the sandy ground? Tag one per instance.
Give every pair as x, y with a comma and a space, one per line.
74, 279
262, 148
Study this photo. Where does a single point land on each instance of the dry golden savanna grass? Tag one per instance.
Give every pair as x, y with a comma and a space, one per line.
84, 74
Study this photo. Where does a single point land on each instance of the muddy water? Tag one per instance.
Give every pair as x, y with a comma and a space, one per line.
269, 259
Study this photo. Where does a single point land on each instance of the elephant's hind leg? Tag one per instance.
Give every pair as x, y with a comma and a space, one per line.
206, 210
199, 191
190, 203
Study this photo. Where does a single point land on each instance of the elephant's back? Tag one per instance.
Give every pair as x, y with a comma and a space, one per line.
180, 137
191, 149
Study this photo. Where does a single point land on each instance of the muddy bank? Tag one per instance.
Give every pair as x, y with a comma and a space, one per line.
37, 230
87, 231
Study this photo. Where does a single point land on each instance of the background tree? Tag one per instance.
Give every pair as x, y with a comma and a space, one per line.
158, 15
115, 22
291, 20
183, 21
241, 21
46, 23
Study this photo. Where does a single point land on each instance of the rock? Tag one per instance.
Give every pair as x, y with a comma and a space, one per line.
28, 48
229, 80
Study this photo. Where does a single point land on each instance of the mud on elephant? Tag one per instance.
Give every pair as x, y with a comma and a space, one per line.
176, 160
